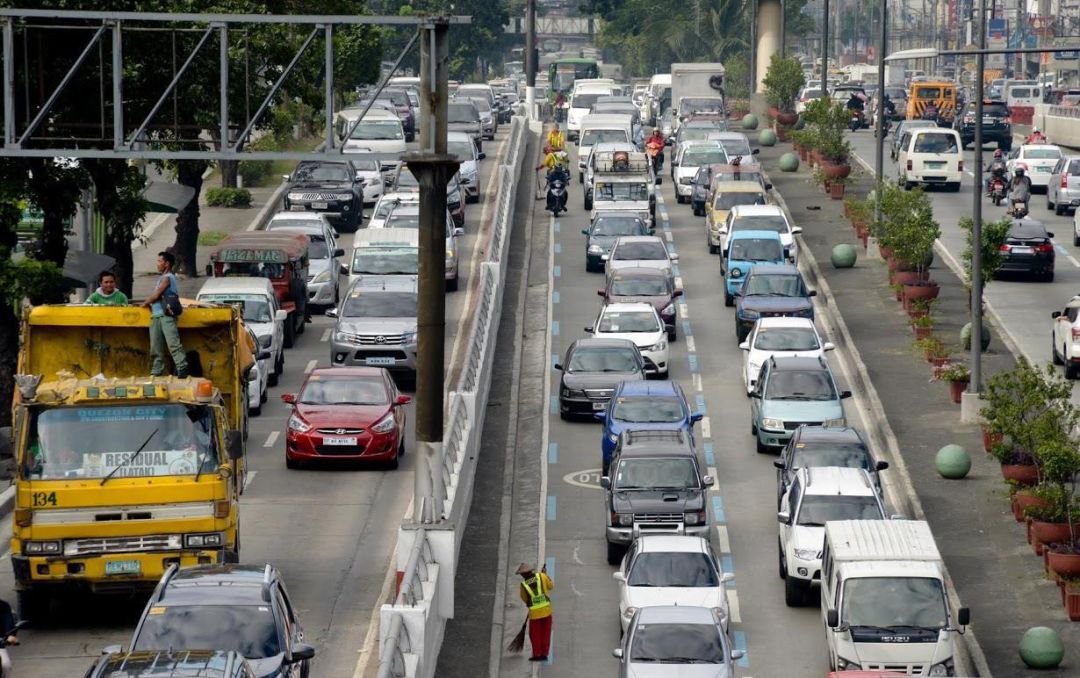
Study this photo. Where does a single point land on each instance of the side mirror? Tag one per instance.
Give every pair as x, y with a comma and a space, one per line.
963, 616
286, 177
755, 394
604, 257
263, 354
331, 313
881, 466
696, 417
677, 293
558, 367
618, 576
599, 416
755, 151
811, 293
674, 256
779, 464
343, 270
481, 155
845, 394
1055, 314
458, 232
659, 180
1049, 234
601, 293
584, 231
589, 329
617, 653
737, 655
796, 230
832, 619
301, 651
339, 252
828, 346
402, 400
234, 443
745, 345
707, 481
112, 649
727, 577
783, 517
289, 398
281, 315
768, 186
605, 482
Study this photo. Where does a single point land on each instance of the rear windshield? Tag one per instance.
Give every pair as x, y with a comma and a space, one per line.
592, 137
725, 201
935, 143
585, 100
651, 251
461, 112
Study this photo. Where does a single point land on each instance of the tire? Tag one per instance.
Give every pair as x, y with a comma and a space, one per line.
231, 556
587, 203
780, 566
452, 284
1055, 357
1059, 210
614, 553
794, 593
279, 364
713, 249
272, 378
565, 416
1048, 277
1049, 205
393, 464
672, 335
33, 605
753, 428
581, 178
728, 299
907, 185
1076, 240
1072, 371
255, 411
290, 333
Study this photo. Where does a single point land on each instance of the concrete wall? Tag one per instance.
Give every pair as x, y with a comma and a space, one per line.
1059, 123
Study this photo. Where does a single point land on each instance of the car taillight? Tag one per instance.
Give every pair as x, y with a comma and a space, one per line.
1064, 180
909, 165
1004, 248
1045, 247
1076, 333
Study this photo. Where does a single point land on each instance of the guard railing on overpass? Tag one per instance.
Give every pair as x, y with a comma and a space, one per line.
411, 627
1061, 124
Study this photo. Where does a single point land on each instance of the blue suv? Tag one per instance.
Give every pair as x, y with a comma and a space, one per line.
637, 405
792, 392
745, 249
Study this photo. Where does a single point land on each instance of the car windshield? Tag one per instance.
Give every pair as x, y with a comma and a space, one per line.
254, 309
761, 222
1045, 153
603, 360
93, 441
325, 390
800, 385
377, 130
816, 510
591, 137
786, 339
735, 146
321, 172
756, 249
462, 149
929, 142
775, 286
649, 409
386, 260
725, 201
894, 601
618, 226
675, 569
705, 156
399, 220
640, 287
379, 305
365, 165
655, 473
461, 113
849, 455
246, 629
677, 644
697, 133
629, 321
622, 191
643, 251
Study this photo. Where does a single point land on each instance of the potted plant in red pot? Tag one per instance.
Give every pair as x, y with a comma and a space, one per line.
1059, 464
958, 376
782, 82
922, 326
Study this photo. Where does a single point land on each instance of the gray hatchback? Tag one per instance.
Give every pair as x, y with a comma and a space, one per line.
664, 637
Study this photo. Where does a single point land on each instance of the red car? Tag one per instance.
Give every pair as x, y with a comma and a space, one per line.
346, 413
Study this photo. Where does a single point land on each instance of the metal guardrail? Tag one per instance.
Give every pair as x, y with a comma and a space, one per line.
413, 624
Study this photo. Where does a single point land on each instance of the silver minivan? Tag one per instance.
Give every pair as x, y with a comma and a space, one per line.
1063, 191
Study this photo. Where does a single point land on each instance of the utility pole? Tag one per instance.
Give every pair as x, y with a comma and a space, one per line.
530, 58
975, 385
825, 51
432, 168
879, 156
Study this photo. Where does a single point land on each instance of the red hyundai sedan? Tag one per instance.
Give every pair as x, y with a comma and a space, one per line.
346, 413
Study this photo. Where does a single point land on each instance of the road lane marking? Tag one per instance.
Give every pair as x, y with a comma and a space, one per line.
722, 539
684, 311
711, 471
249, 478
686, 329
554, 328
668, 236
551, 507
696, 379
727, 564
558, 248
557, 270
554, 360
553, 453
326, 334
740, 644
710, 458
312, 364
690, 346
554, 405
271, 439
555, 297
692, 359
555, 227
700, 400
588, 479
678, 282
706, 428
718, 509
734, 613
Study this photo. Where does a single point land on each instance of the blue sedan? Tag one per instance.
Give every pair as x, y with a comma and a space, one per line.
637, 405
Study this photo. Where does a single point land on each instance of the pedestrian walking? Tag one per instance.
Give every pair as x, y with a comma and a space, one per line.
106, 294
534, 593
164, 305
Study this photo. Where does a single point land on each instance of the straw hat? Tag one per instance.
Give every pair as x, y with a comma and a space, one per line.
524, 568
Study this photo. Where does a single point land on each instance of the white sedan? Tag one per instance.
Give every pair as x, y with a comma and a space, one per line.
662, 569
640, 323
781, 337
1066, 338
1038, 161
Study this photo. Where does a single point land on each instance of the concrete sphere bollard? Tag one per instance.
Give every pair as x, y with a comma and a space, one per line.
766, 137
843, 256
1041, 648
749, 121
953, 462
788, 162
965, 337
799, 124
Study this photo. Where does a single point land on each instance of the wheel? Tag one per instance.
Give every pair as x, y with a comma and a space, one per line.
588, 201
996, 200
1055, 357
1059, 210
452, 284
1048, 277
279, 364
781, 566
671, 336
1049, 205
581, 177
231, 557
794, 593
753, 428
257, 410
907, 185
1076, 239
394, 463
713, 249
1072, 370
565, 416
698, 212
34, 605
293, 463
729, 300
263, 398
614, 553
290, 333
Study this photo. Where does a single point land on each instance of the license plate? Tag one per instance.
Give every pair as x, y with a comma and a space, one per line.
123, 567
1015, 249
339, 441
935, 165
989, 121
599, 406
297, 208
1043, 170
380, 362
318, 205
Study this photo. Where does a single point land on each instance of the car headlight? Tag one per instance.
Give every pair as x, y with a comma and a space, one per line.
735, 273
943, 669
626, 519
771, 424
694, 517
384, 425
807, 554
347, 337
595, 249
834, 423
449, 254
41, 548
321, 277
749, 314
668, 310
296, 196
195, 541
847, 665
573, 393
409, 338
265, 340
343, 197
658, 346
299, 425
612, 438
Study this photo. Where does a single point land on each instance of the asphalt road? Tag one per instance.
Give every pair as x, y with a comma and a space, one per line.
332, 532
778, 640
1024, 306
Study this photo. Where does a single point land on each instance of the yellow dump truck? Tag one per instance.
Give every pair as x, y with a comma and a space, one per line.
119, 474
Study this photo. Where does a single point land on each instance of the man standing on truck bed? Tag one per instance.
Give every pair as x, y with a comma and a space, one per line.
163, 333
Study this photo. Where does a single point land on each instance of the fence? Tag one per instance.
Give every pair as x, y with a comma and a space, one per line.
1061, 124
411, 627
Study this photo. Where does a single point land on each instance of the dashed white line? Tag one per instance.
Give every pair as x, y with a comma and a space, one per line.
326, 334
667, 234
271, 439
249, 477
312, 364
733, 606
690, 347
722, 539
706, 428
696, 378
684, 310
711, 471
678, 282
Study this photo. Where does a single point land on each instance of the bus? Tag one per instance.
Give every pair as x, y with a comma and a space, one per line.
563, 72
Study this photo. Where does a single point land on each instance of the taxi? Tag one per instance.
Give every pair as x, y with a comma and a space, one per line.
725, 194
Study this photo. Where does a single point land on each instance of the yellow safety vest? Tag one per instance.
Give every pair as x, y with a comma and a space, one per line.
556, 141
538, 599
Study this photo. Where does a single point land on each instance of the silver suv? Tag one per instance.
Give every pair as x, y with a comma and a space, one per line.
376, 325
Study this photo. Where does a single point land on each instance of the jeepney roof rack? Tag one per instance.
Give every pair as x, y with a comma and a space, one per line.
622, 161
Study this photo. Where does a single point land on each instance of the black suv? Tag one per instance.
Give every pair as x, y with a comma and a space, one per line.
332, 188
825, 446
655, 486
172, 664
996, 125
240, 608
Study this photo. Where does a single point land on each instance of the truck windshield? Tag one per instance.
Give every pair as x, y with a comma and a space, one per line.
91, 441
386, 260
894, 601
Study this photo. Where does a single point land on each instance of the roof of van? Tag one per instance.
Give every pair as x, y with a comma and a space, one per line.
374, 237
236, 285
602, 119
881, 540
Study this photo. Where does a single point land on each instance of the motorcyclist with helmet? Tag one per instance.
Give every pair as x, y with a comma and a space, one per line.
557, 164
996, 168
654, 148
1019, 190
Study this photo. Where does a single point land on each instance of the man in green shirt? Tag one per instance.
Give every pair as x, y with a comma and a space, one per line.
107, 294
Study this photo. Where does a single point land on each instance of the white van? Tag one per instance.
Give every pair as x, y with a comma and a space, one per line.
383, 254
659, 97
884, 603
379, 132
1023, 95
599, 128
260, 311
932, 156
581, 100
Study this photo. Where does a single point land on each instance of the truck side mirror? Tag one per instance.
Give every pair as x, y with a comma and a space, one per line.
234, 443
963, 616
339, 252
783, 517
281, 315
832, 619
881, 466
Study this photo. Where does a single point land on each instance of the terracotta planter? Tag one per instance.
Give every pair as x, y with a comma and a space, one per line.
989, 438
836, 191
781, 133
923, 289
804, 154
815, 158
1072, 601
1022, 500
956, 390
864, 236
1063, 564
1021, 474
921, 332
886, 252
914, 313
907, 277
787, 119
835, 170
1047, 533
937, 366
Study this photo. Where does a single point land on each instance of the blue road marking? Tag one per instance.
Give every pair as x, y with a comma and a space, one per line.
556, 227
700, 399
554, 359
553, 453
557, 270
718, 509
710, 458
1061, 249
728, 565
554, 405
554, 328
692, 359
739, 638
674, 267
555, 297
686, 329
558, 248
551, 507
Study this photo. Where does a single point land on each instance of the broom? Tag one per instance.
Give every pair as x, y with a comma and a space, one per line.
518, 642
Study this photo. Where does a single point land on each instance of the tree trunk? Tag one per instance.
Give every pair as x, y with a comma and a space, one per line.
9, 353
229, 170
189, 173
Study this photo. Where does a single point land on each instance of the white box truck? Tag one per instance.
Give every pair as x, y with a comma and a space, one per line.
697, 88
883, 599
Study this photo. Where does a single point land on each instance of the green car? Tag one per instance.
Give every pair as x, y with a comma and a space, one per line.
789, 393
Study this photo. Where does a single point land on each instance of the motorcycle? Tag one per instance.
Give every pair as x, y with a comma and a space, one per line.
888, 128
996, 188
556, 195
5, 659
856, 120
656, 157
1019, 209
